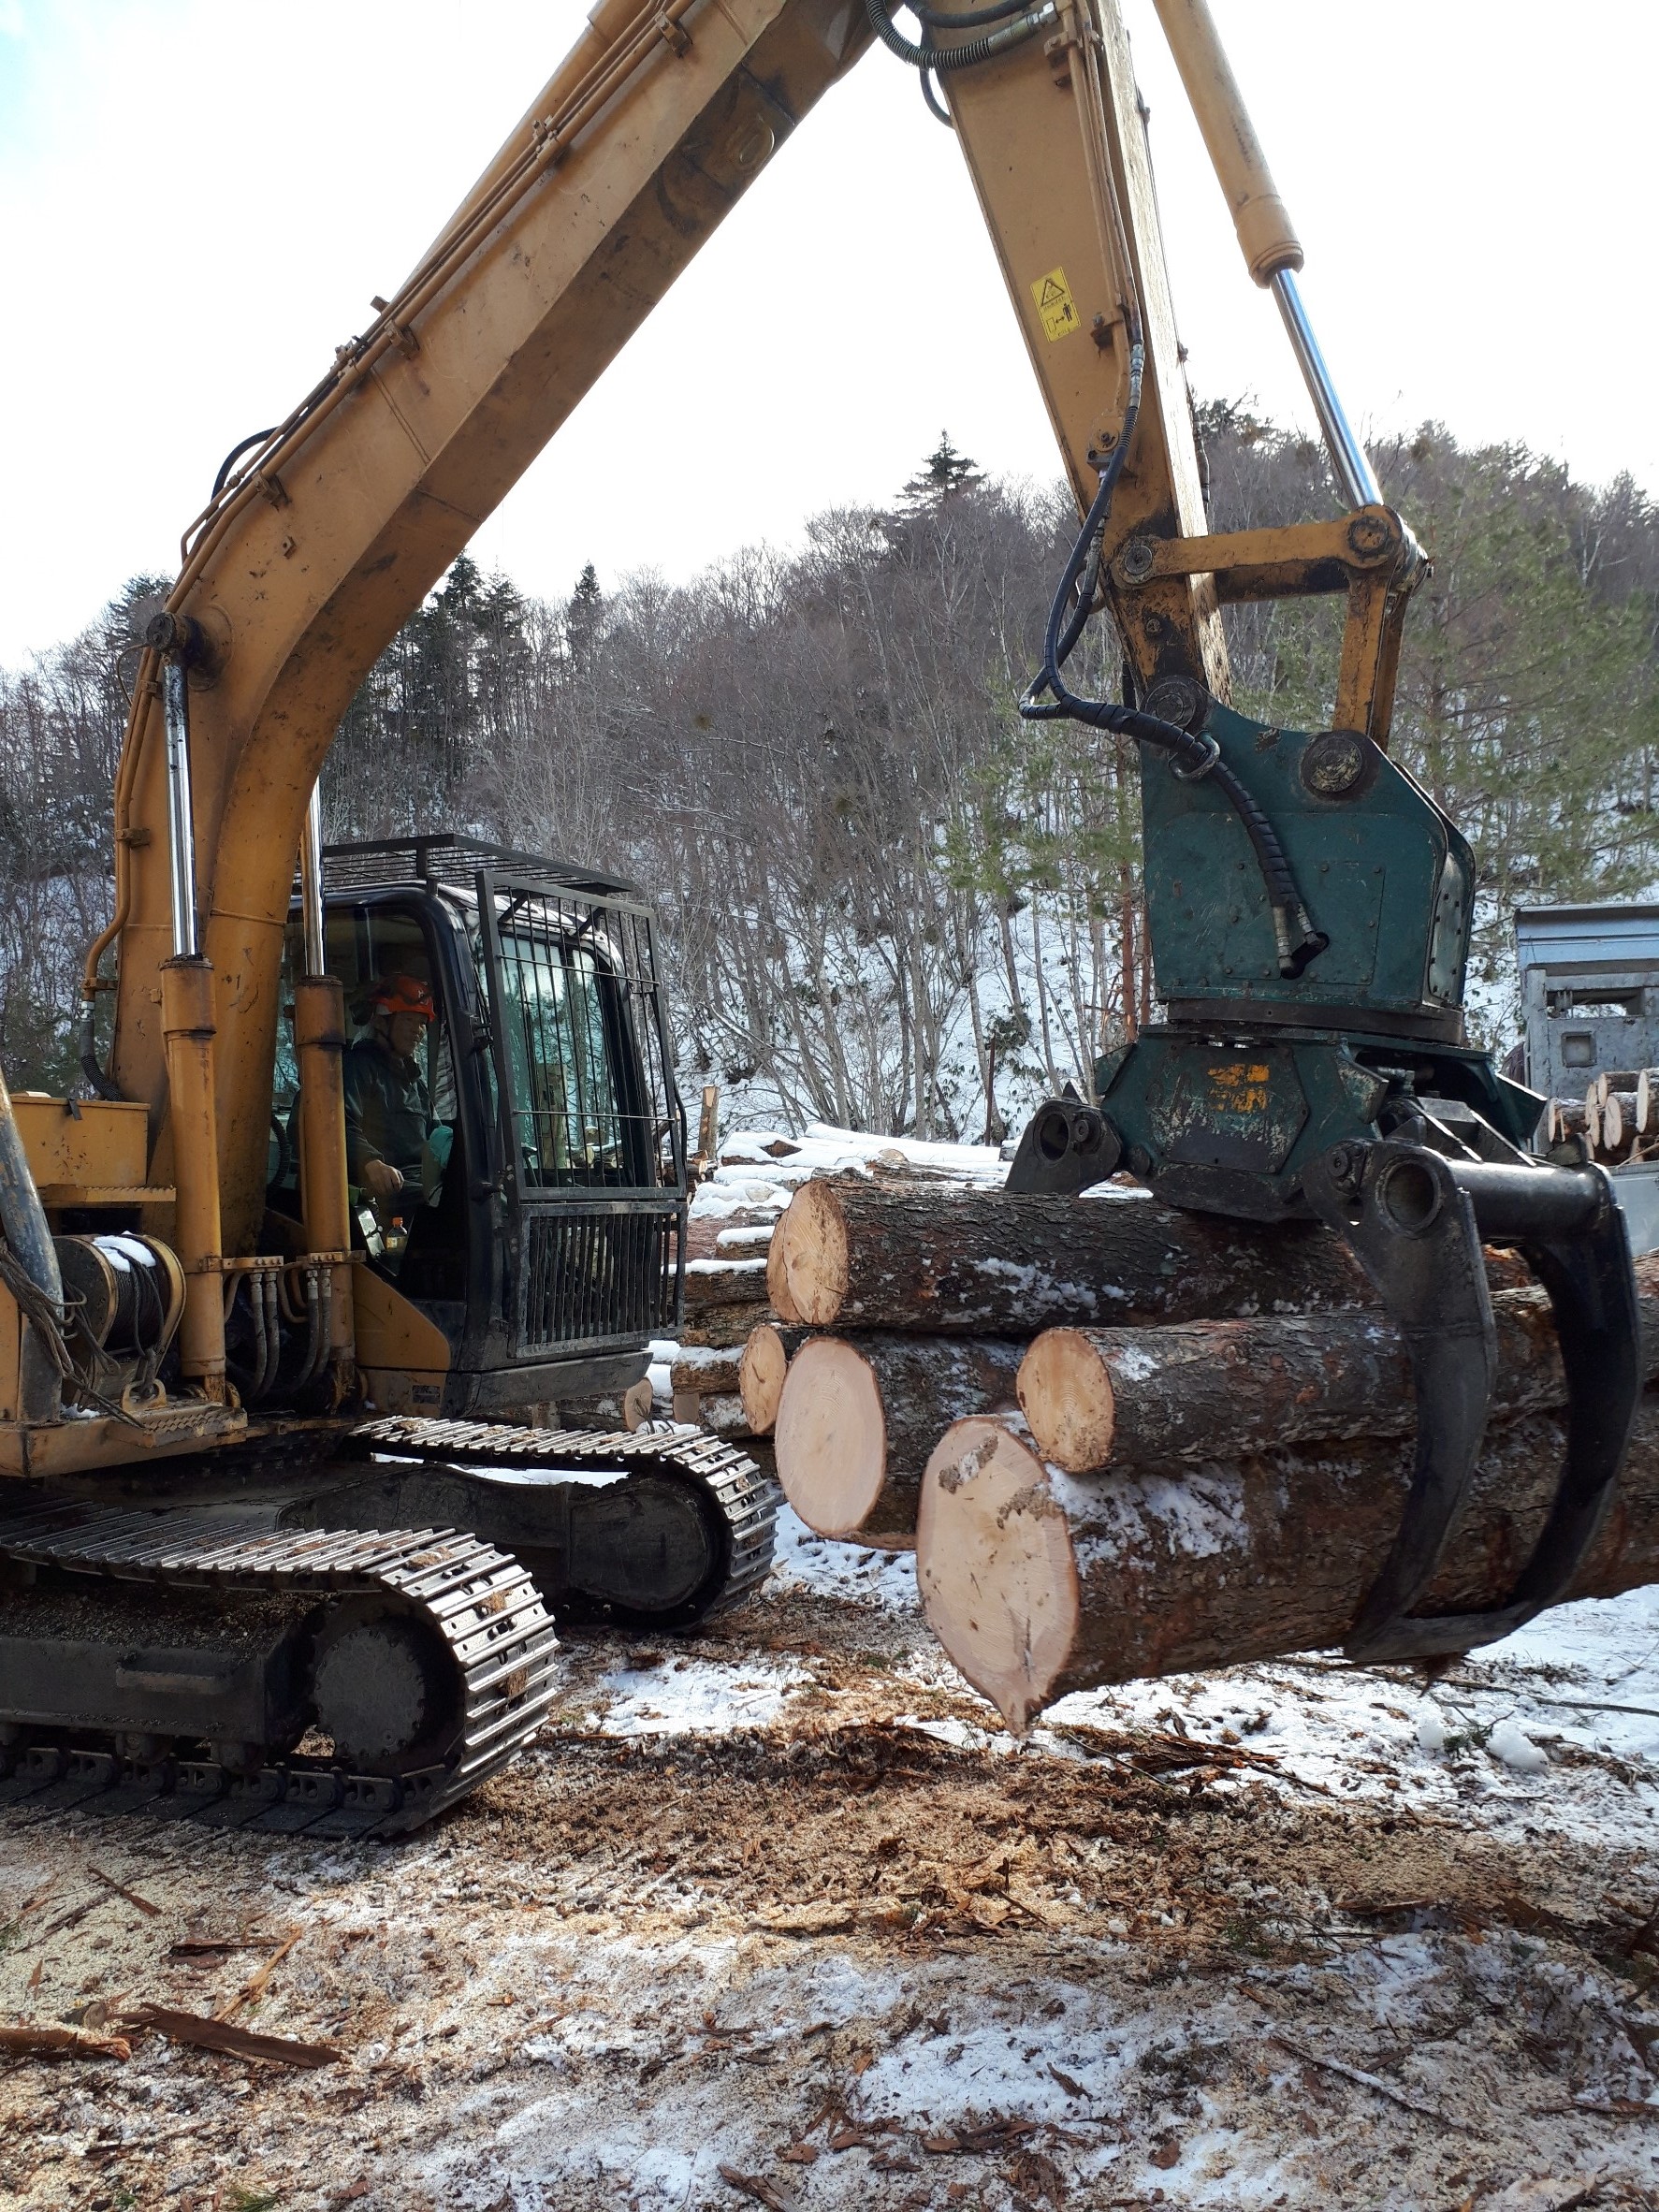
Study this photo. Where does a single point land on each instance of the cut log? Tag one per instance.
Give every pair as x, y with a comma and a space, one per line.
779, 1296
705, 1370
1647, 1102
724, 1282
721, 1414
1618, 1121
859, 1416
724, 1326
761, 1371
1000, 1263
1133, 1398
1567, 1119
1037, 1582
703, 1231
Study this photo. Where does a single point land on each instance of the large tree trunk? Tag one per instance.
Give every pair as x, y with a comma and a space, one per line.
859, 1416
1133, 1398
1000, 1263
1037, 1582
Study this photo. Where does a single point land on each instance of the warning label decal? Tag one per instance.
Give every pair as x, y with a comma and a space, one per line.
1056, 307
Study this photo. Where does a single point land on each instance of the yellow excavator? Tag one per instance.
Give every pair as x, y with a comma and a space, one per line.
277, 1541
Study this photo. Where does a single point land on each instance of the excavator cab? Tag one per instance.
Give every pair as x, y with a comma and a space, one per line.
539, 1233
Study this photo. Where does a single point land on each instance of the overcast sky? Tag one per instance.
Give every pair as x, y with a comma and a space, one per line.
197, 198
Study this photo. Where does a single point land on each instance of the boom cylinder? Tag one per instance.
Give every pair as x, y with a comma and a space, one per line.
188, 1024
188, 1027
319, 1045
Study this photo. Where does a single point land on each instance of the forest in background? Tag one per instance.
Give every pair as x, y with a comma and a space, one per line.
887, 902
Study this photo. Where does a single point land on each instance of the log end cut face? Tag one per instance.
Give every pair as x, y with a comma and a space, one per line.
995, 1567
811, 1249
759, 1378
831, 1436
1066, 1395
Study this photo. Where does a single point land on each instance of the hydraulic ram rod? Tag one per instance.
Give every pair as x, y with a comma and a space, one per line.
1272, 251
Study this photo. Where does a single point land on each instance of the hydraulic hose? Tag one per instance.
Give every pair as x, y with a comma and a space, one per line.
1295, 940
972, 19
1012, 30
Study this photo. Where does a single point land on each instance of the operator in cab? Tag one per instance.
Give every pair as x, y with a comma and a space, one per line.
392, 1143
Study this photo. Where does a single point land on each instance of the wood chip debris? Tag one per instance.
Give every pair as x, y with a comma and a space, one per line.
210, 2034
120, 1890
992, 2135
256, 1983
48, 2040
1369, 2081
823, 1918
758, 2190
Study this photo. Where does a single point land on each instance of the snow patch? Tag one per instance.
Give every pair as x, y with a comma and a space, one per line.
851, 1572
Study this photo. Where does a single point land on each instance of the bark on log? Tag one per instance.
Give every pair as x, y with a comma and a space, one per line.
726, 1327
859, 1416
1000, 1263
1647, 1102
706, 1370
724, 1282
1037, 1582
1100, 1399
761, 1371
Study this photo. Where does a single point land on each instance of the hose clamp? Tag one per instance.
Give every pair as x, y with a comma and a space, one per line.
1211, 754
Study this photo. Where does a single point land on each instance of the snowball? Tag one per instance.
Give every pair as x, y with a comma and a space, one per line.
1510, 1744
1430, 1730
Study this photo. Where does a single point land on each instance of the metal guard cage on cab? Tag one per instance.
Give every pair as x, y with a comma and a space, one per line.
588, 1131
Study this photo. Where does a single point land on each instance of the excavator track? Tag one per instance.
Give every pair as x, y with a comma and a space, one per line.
736, 1501
472, 1603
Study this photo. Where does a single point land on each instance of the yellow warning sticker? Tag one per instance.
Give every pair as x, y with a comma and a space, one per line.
1055, 308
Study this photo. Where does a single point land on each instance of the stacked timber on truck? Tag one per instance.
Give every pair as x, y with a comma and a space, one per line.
1616, 1118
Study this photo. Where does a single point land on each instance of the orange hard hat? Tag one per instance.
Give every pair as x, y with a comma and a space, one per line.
404, 993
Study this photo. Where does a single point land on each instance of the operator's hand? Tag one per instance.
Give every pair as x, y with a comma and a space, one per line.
381, 1180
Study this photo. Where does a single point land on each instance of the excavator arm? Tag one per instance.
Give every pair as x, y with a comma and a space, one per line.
326, 531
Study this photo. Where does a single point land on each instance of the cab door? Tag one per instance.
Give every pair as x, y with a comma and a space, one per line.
593, 1137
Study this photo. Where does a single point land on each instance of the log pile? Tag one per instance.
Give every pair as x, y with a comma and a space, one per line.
1618, 1116
1126, 1440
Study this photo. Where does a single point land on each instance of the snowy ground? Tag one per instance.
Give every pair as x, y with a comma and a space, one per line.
779, 1915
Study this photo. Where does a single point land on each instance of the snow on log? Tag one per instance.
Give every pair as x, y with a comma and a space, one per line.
859, 1416
1116, 1398
1037, 1582
1004, 1264
705, 1370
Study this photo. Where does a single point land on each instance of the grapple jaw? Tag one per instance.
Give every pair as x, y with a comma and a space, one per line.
1417, 1222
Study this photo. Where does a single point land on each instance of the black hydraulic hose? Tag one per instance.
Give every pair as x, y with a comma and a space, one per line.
1011, 31
1198, 756
974, 18
932, 93
234, 455
90, 1064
